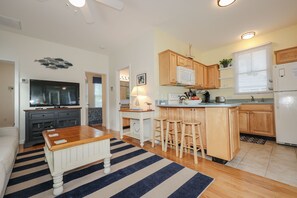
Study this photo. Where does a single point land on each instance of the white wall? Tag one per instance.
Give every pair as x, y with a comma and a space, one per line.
280, 39
139, 55
7, 94
24, 50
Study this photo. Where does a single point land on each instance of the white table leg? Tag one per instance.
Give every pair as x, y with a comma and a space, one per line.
141, 133
121, 126
107, 164
58, 184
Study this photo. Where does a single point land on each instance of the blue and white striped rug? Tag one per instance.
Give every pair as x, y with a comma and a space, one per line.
134, 173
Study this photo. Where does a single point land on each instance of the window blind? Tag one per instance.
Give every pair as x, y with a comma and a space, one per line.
252, 69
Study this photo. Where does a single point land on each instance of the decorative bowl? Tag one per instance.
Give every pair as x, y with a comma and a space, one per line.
193, 102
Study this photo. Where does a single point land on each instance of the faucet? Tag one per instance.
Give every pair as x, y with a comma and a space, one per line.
252, 99
181, 99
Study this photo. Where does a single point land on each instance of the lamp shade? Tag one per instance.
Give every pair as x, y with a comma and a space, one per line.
78, 3
138, 91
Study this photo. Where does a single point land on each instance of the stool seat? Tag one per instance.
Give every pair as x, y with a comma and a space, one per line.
174, 121
160, 119
192, 123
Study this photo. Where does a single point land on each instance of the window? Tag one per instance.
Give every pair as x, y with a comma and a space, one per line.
98, 95
97, 91
252, 70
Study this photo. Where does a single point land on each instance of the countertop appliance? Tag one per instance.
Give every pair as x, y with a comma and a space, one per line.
206, 97
220, 99
185, 76
285, 103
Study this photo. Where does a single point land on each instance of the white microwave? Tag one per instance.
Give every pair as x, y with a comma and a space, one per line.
185, 76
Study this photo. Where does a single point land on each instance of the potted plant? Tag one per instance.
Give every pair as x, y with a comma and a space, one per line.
226, 62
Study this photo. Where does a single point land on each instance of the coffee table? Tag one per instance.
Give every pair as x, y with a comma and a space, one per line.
83, 146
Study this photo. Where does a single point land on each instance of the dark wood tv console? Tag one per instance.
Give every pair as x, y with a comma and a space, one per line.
38, 120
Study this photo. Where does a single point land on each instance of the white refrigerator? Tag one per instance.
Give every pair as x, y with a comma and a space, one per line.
285, 103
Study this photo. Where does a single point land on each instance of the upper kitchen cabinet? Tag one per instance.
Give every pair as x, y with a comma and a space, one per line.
167, 67
212, 77
199, 74
185, 62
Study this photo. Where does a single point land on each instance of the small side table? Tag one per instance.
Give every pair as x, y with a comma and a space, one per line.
140, 115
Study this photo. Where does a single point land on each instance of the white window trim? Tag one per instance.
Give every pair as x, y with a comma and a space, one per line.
268, 69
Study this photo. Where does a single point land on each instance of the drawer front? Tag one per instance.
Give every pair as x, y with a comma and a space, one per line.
42, 116
68, 114
256, 107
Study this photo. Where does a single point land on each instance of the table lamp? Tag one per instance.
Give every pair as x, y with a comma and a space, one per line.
137, 91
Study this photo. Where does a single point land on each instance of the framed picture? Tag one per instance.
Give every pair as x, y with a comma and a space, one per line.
141, 79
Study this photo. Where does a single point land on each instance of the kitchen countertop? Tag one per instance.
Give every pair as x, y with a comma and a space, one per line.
229, 103
202, 105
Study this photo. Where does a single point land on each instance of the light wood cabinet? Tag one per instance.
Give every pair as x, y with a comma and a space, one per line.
167, 67
244, 121
212, 77
185, 62
199, 74
257, 119
234, 131
222, 132
206, 77
261, 123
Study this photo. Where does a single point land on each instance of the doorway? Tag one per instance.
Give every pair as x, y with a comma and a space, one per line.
96, 99
7, 90
124, 79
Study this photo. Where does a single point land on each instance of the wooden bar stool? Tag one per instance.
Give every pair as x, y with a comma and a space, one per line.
158, 131
173, 129
189, 139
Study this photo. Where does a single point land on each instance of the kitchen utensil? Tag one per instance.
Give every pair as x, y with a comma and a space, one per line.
220, 99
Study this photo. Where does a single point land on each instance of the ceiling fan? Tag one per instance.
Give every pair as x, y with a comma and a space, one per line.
83, 5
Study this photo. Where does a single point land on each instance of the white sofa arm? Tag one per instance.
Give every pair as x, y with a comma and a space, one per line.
9, 131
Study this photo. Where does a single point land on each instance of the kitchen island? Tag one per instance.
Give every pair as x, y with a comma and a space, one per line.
219, 125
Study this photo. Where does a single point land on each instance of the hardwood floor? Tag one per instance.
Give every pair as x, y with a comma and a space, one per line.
229, 182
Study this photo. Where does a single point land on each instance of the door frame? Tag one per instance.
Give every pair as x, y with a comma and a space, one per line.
105, 103
118, 93
16, 90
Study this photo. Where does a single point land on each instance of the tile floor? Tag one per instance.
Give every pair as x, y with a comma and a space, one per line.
270, 160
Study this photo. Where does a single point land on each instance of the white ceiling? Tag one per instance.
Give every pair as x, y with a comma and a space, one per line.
199, 22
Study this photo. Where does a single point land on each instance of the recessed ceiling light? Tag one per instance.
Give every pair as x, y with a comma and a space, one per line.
224, 3
78, 3
248, 35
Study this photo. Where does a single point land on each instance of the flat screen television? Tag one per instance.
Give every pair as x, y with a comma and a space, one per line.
53, 93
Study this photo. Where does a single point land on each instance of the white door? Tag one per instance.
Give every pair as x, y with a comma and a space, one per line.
285, 104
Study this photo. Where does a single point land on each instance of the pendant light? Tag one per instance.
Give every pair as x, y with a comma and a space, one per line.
224, 3
78, 3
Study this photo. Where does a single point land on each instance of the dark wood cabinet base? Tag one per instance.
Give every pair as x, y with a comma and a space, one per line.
38, 120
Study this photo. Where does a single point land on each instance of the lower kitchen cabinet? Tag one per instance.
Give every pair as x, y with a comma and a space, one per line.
222, 132
257, 119
244, 117
219, 128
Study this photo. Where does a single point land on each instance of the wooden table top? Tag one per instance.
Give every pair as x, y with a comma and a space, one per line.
76, 135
